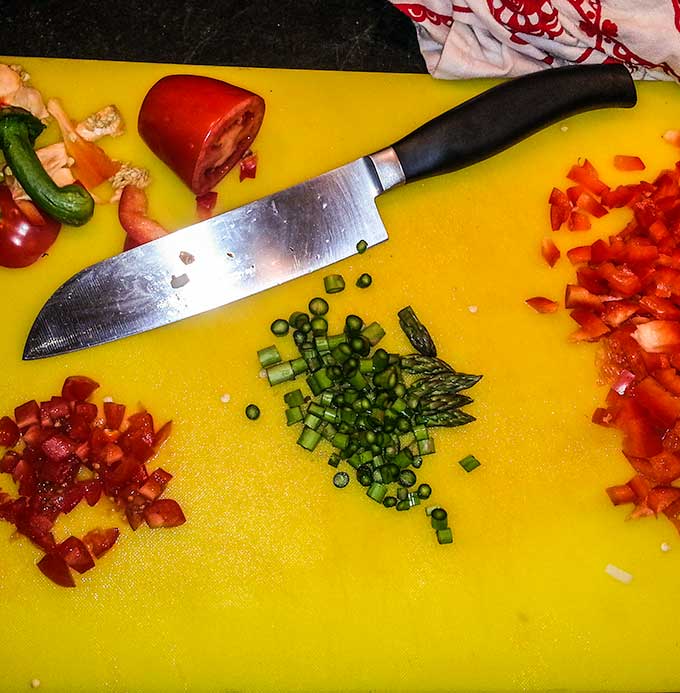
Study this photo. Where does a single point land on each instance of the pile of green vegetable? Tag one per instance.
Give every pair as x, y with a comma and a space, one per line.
375, 408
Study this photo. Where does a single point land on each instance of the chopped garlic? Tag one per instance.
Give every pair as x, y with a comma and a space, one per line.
618, 574
564, 128
128, 174
225, 398
106, 121
473, 309
665, 547
35, 683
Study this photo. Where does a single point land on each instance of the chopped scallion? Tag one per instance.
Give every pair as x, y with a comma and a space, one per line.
253, 412
280, 327
364, 281
333, 283
469, 462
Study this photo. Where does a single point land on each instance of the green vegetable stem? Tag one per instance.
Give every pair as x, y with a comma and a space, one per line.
72, 204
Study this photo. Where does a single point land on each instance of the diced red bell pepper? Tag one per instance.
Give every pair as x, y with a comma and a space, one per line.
578, 221
615, 313
660, 308
660, 404
658, 336
541, 304
247, 167
205, 204
9, 432
114, 414
75, 555
641, 438
27, 414
99, 541
54, 567
162, 435
665, 467
78, 387
621, 279
212, 125
620, 495
586, 175
154, 486
619, 197
623, 162
587, 203
550, 252
592, 327
576, 296
579, 255
58, 447
164, 513
669, 378
661, 497
92, 491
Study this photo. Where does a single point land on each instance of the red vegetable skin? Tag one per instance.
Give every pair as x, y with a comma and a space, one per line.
628, 163
99, 541
205, 204
199, 126
132, 214
23, 239
550, 252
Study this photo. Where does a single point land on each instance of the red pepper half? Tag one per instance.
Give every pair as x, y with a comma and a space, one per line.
199, 126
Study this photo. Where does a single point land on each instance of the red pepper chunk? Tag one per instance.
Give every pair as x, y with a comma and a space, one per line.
199, 126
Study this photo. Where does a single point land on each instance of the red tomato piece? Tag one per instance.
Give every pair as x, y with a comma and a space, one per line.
550, 251
541, 304
54, 567
164, 513
99, 541
212, 126
78, 387
58, 447
9, 432
623, 162
24, 236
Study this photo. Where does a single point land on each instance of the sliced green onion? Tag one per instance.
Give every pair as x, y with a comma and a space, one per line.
334, 461
445, 536
333, 283
469, 462
294, 415
318, 306
407, 478
253, 412
377, 491
424, 491
295, 398
361, 247
374, 333
341, 479
403, 505
309, 439
389, 501
280, 373
280, 327
426, 447
353, 324
269, 356
439, 518
364, 281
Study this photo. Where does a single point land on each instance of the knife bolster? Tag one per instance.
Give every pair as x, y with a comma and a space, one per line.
388, 168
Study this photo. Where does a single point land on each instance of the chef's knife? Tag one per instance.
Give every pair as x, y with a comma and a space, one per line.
306, 227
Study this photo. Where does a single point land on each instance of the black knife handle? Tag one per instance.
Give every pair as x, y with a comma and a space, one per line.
508, 113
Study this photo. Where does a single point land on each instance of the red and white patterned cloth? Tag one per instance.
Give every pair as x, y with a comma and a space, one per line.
461, 39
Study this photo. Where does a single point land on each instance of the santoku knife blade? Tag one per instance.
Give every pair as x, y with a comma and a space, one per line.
306, 227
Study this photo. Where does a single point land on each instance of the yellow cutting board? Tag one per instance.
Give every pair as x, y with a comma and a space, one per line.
279, 581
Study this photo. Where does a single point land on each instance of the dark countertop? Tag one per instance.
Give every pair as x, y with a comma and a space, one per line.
368, 35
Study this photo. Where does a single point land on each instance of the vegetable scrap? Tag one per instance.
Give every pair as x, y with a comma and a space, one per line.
375, 408
66, 450
57, 183
627, 298
618, 574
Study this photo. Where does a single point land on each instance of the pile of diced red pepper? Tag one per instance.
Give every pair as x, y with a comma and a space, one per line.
62, 452
627, 296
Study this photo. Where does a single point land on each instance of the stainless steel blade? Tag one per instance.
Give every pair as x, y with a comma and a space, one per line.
218, 261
